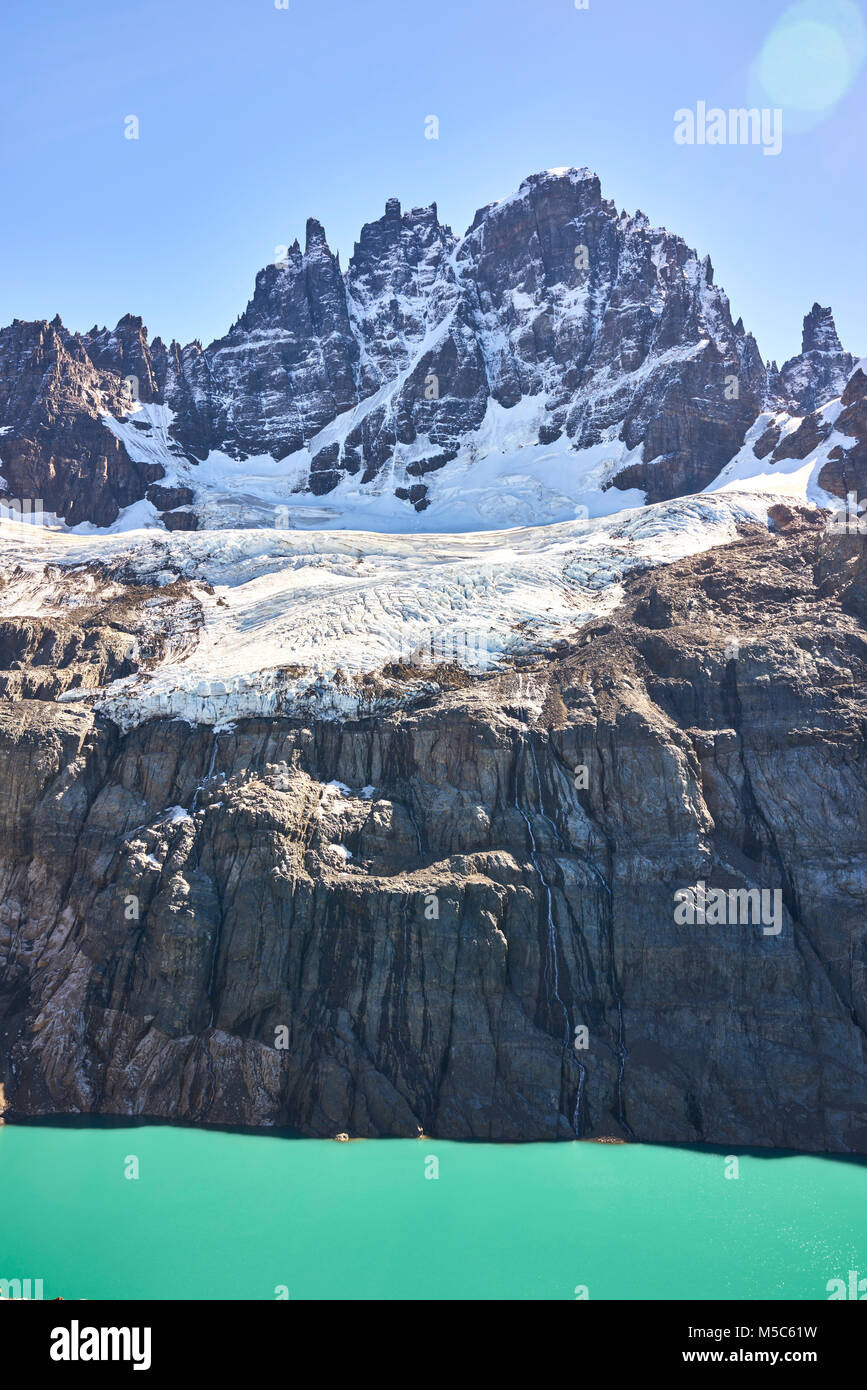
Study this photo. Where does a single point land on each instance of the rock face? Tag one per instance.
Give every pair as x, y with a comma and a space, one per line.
54, 446
821, 370
384, 924
846, 470
614, 329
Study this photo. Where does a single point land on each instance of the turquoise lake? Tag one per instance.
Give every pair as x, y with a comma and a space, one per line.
224, 1215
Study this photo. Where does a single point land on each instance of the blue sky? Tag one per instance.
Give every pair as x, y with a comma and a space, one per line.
253, 118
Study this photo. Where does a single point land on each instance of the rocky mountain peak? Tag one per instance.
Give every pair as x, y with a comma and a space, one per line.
55, 389
396, 242
820, 331
314, 236
822, 368
125, 352
600, 326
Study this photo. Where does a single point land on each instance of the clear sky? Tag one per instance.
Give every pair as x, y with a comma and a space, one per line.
252, 118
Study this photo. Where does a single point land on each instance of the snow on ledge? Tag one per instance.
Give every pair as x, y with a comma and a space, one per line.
304, 622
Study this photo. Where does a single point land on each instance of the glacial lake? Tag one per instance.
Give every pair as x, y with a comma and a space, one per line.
214, 1214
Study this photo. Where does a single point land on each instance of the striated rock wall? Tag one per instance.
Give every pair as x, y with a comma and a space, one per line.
372, 926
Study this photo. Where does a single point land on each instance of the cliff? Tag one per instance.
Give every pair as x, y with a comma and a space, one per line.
376, 924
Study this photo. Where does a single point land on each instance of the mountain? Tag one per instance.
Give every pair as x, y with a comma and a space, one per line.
314, 821
559, 352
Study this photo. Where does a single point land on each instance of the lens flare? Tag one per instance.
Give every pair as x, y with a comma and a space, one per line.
811, 57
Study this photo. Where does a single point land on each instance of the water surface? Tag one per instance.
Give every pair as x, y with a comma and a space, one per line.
224, 1215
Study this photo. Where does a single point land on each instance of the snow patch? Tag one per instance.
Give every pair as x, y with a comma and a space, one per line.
293, 622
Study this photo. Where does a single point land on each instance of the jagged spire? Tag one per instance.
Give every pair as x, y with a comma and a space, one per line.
820, 331
315, 235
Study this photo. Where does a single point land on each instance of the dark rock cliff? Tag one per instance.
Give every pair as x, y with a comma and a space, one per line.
201, 925
55, 446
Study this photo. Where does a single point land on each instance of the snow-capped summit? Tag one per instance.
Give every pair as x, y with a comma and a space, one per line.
561, 355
